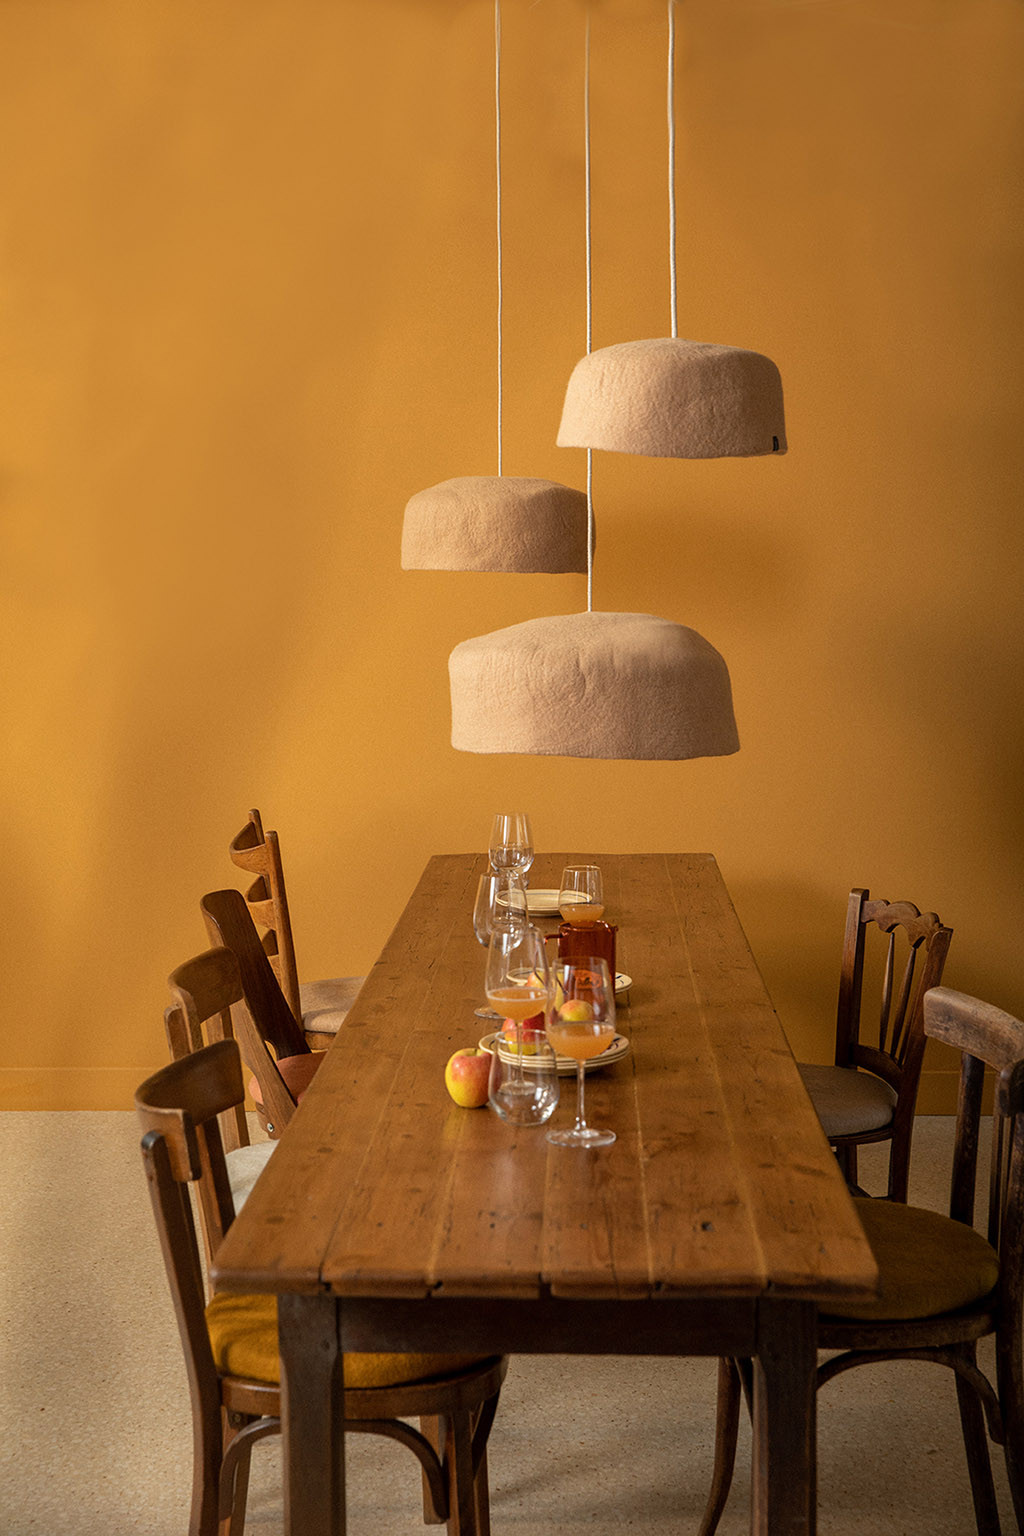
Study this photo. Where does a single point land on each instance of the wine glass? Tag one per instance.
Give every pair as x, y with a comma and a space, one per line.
581, 1027
511, 844
581, 894
499, 899
518, 983
523, 1087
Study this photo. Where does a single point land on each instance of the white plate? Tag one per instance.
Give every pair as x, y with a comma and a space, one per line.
622, 982
541, 903
566, 1065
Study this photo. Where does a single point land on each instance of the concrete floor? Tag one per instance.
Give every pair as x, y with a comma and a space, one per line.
95, 1435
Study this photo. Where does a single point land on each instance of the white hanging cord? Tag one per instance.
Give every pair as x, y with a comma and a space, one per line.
590, 309
672, 163
497, 178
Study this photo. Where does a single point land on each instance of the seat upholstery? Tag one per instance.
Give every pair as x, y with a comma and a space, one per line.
848, 1102
243, 1336
928, 1263
298, 1072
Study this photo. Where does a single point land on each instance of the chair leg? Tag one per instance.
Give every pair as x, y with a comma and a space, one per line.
846, 1157
1010, 1377
431, 1429
233, 1524
482, 1497
458, 1461
727, 1420
979, 1464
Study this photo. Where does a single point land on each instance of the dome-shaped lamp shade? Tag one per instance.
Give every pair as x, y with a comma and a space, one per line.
617, 685
671, 398
495, 523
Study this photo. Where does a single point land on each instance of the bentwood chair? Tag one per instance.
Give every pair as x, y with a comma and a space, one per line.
230, 1342
319, 1006
274, 1045
943, 1285
870, 1094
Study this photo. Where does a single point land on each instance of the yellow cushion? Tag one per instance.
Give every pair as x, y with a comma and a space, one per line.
928, 1264
243, 1334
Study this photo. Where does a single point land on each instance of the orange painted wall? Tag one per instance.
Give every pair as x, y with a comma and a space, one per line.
247, 271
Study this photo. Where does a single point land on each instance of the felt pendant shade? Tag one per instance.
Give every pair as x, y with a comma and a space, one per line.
671, 398
613, 685
495, 523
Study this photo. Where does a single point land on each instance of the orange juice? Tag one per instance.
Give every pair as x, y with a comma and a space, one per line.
580, 1039
518, 1003
580, 910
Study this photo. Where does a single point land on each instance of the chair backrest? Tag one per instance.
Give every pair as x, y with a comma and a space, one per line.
210, 1004
986, 1036
259, 853
896, 1045
178, 1109
182, 1103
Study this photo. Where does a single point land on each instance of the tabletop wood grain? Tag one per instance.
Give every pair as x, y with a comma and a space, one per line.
720, 1182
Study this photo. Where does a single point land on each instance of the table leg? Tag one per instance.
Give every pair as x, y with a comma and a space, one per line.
784, 1501
312, 1416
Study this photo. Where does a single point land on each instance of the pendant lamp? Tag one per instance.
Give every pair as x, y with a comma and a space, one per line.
496, 522
612, 685
668, 397
600, 685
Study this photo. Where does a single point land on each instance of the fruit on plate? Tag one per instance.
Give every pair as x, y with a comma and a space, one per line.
466, 1076
533, 1029
576, 1011
559, 997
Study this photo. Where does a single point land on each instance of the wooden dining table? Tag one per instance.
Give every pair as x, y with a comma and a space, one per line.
392, 1219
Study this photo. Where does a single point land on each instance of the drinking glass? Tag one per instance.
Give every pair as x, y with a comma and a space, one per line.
523, 1089
511, 844
499, 899
581, 894
519, 985
581, 1027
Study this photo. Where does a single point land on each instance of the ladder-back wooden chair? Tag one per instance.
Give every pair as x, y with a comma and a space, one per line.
943, 1285
319, 1006
207, 991
870, 1094
275, 1047
230, 1342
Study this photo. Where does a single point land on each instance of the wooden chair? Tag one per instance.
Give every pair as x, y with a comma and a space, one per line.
319, 1006
206, 990
273, 1044
943, 1285
230, 1343
870, 1094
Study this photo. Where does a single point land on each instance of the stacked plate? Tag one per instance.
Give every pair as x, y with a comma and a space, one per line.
566, 1064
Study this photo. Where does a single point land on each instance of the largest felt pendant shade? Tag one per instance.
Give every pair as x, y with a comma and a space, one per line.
613, 685
495, 523
671, 398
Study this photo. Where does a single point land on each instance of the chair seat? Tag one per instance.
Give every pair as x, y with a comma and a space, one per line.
848, 1102
928, 1264
243, 1335
298, 1072
325, 1003
245, 1164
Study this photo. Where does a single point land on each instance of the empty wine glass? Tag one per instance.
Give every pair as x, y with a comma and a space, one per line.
511, 844
523, 1087
582, 1026
518, 983
581, 894
499, 899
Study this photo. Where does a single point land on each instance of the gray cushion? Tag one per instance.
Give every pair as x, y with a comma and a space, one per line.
848, 1102
325, 1003
245, 1164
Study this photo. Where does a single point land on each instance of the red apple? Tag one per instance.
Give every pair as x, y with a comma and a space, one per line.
466, 1076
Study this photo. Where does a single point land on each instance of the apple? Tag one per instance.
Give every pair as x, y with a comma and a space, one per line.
466, 1076
531, 1027
576, 1011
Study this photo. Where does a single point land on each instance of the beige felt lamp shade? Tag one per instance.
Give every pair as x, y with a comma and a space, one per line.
495, 523
670, 398
615, 685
